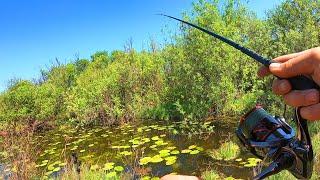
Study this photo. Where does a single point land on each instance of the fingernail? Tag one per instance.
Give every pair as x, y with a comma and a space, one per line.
283, 87
275, 66
312, 97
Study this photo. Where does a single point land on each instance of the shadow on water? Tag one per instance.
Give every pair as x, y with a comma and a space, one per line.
150, 148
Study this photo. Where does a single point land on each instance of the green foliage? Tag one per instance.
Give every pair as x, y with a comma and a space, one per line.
115, 88
17, 104
195, 77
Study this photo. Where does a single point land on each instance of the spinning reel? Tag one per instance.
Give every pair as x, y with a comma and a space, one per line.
271, 138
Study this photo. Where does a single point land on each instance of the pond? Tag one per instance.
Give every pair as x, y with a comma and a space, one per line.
149, 149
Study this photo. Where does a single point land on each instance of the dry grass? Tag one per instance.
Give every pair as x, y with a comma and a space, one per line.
19, 154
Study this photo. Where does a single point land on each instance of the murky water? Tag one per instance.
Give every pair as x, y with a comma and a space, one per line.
152, 148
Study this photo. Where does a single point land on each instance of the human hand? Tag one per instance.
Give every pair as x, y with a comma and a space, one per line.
178, 177
302, 63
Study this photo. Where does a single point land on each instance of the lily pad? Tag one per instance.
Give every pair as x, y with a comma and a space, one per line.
155, 138
170, 162
126, 153
118, 168
111, 174
145, 178
185, 151
175, 152
56, 169
194, 152
200, 148
171, 147
170, 158
108, 166
153, 146
50, 167
160, 143
145, 160
156, 159
164, 151
62, 164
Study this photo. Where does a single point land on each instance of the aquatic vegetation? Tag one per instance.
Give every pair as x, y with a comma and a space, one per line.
111, 174
51, 167
164, 151
164, 154
155, 138
185, 151
171, 160
252, 162
156, 159
175, 152
74, 148
149, 178
160, 143
126, 153
121, 147
153, 146
194, 152
145, 160
227, 151
171, 148
108, 166
199, 148
56, 169
118, 168
62, 164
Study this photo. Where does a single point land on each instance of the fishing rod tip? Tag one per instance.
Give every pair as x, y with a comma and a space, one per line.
159, 14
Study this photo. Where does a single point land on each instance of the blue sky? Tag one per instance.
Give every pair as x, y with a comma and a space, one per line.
35, 32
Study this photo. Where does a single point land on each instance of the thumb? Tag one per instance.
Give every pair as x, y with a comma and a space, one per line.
296, 66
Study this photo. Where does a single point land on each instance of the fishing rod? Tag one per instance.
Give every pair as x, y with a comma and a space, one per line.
297, 82
270, 137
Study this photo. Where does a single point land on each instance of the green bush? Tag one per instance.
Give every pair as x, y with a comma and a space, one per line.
18, 103
195, 77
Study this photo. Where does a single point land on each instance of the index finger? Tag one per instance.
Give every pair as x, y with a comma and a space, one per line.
302, 64
264, 71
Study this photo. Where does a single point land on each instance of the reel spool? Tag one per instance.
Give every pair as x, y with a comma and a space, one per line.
271, 138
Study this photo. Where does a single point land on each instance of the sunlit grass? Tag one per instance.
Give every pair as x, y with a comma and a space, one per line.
227, 151
93, 174
210, 175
